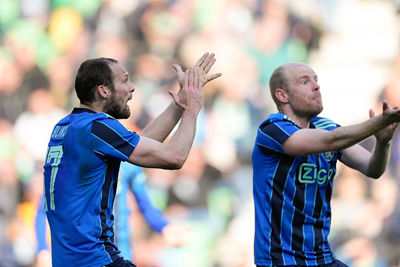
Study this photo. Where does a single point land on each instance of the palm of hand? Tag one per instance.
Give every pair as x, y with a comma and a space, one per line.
202, 66
176, 235
200, 71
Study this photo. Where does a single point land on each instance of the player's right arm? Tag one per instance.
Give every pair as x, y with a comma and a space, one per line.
172, 155
312, 141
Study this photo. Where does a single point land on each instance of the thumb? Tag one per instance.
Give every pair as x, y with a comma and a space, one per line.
385, 105
175, 98
177, 68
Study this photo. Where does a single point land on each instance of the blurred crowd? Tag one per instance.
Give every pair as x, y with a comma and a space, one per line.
42, 42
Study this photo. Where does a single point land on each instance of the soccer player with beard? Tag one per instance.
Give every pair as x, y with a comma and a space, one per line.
86, 149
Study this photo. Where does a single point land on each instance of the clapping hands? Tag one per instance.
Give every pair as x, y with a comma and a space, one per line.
386, 134
201, 68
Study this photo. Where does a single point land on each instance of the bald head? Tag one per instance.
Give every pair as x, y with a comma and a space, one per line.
279, 78
295, 90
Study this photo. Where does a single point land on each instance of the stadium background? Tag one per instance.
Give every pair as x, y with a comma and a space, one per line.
353, 45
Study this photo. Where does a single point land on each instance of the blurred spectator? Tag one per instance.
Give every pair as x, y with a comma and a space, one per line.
361, 251
350, 206
41, 111
9, 189
11, 101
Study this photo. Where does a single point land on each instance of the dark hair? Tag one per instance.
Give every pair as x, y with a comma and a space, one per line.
92, 73
277, 80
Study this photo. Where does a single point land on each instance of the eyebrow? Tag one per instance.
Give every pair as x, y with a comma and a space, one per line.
306, 76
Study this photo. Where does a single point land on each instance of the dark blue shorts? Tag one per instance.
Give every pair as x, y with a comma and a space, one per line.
121, 263
333, 264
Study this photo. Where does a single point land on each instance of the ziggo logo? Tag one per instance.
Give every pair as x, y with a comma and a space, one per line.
309, 174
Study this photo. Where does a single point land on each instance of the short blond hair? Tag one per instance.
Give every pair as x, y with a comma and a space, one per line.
278, 80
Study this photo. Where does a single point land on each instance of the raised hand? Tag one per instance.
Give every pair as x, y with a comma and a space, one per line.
176, 235
203, 66
190, 96
386, 134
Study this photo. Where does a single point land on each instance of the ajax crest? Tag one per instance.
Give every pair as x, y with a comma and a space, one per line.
328, 155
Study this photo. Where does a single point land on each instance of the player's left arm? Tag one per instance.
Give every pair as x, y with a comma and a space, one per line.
153, 216
43, 255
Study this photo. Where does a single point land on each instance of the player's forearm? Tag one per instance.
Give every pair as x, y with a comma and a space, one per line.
344, 137
161, 127
182, 140
379, 158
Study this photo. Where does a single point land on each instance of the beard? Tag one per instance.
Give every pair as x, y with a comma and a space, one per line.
308, 111
116, 110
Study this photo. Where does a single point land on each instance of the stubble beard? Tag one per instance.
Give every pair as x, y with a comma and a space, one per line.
309, 112
315, 108
114, 109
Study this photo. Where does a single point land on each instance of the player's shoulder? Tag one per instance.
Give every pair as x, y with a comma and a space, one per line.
324, 123
276, 118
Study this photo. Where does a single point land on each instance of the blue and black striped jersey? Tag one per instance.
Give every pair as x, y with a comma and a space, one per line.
80, 180
292, 197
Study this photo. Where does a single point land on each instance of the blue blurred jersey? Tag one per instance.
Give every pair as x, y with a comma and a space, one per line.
292, 197
132, 179
80, 180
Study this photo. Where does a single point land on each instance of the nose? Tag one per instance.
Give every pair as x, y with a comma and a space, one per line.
132, 88
316, 86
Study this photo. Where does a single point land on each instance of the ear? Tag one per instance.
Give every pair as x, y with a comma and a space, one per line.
281, 95
103, 91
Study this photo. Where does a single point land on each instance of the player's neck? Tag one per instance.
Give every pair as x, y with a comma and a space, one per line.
302, 121
91, 107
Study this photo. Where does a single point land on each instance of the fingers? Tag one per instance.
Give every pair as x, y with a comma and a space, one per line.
191, 77
201, 60
186, 79
371, 113
208, 62
385, 105
202, 67
196, 79
212, 77
177, 68
173, 95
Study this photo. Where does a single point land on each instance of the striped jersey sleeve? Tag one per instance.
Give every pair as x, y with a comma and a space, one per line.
324, 124
273, 133
111, 138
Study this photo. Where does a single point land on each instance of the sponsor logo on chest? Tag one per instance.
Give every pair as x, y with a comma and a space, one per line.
309, 174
